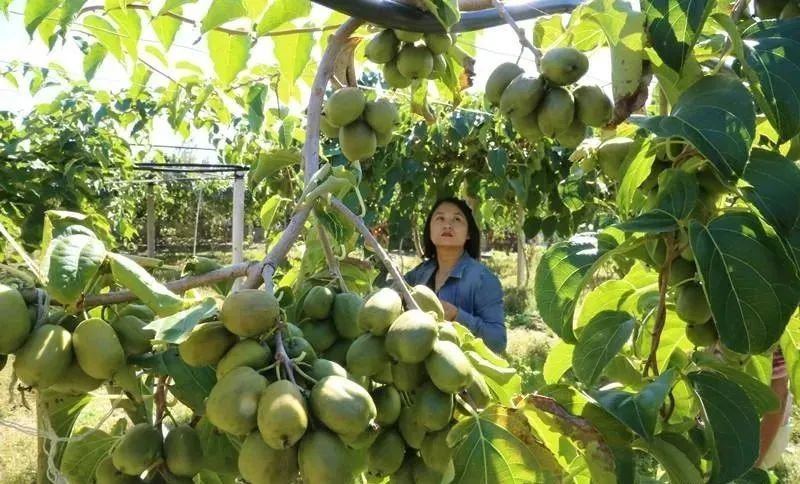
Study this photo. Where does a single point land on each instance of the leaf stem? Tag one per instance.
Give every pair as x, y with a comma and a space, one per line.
399, 281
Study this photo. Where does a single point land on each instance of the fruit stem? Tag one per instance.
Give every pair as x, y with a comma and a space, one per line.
305, 375
501, 9
465, 405
161, 399
333, 263
282, 357
399, 282
661, 313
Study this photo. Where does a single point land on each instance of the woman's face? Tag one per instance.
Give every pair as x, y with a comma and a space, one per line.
449, 226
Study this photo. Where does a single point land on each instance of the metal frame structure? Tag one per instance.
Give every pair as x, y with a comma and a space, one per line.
238, 172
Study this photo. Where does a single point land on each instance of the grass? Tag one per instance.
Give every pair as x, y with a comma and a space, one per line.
529, 343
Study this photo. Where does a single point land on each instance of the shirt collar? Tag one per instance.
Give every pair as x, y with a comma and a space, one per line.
458, 270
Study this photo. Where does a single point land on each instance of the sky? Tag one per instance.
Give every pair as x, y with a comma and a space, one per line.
492, 48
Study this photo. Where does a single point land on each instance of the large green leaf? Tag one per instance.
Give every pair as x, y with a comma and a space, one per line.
293, 53
106, 34
599, 342
790, 346
677, 464
229, 53
190, 385
84, 453
281, 11
556, 427
773, 186
636, 169
172, 5
639, 411
176, 328
92, 60
445, 11
560, 277
165, 28
558, 362
130, 28
73, 262
144, 286
36, 11
499, 446
763, 398
548, 31
748, 279
62, 411
674, 27
608, 296
708, 105
222, 11
732, 425
772, 51
677, 195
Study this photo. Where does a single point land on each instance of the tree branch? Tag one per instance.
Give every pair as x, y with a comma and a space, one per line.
661, 313
503, 11
179, 286
399, 282
310, 154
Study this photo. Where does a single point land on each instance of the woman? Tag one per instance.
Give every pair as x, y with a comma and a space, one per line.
470, 293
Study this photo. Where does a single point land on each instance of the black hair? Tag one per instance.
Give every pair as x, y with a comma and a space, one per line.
473, 244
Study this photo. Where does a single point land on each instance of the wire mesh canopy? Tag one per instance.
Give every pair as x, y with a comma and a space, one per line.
190, 168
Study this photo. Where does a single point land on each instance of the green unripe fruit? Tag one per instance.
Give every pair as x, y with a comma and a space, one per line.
106, 473
327, 128
611, 155
134, 338
44, 357
357, 141
448, 367
97, 349
427, 300
232, 404
388, 404
261, 464
439, 67
75, 381
386, 454
296, 346
528, 126
247, 352
137, 450
320, 333
411, 428
438, 43
522, 96
680, 270
383, 47
592, 106
393, 77
282, 415
406, 36
249, 312
139, 310
691, 304
338, 352
345, 106
448, 332
206, 344
362, 441
407, 377
499, 80
564, 65
322, 368
478, 390
766, 9
318, 303
415, 62
324, 459
435, 452
379, 311
656, 251
701, 335
434, 407
411, 336
383, 139
183, 451
342, 405
367, 356
556, 111
381, 115
16, 322
572, 136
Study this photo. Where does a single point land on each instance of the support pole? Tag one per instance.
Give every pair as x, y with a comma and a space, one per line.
237, 245
151, 221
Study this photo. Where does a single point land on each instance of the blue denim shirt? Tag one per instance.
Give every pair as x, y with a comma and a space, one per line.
476, 292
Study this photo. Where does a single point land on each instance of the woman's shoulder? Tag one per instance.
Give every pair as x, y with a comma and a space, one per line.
478, 269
